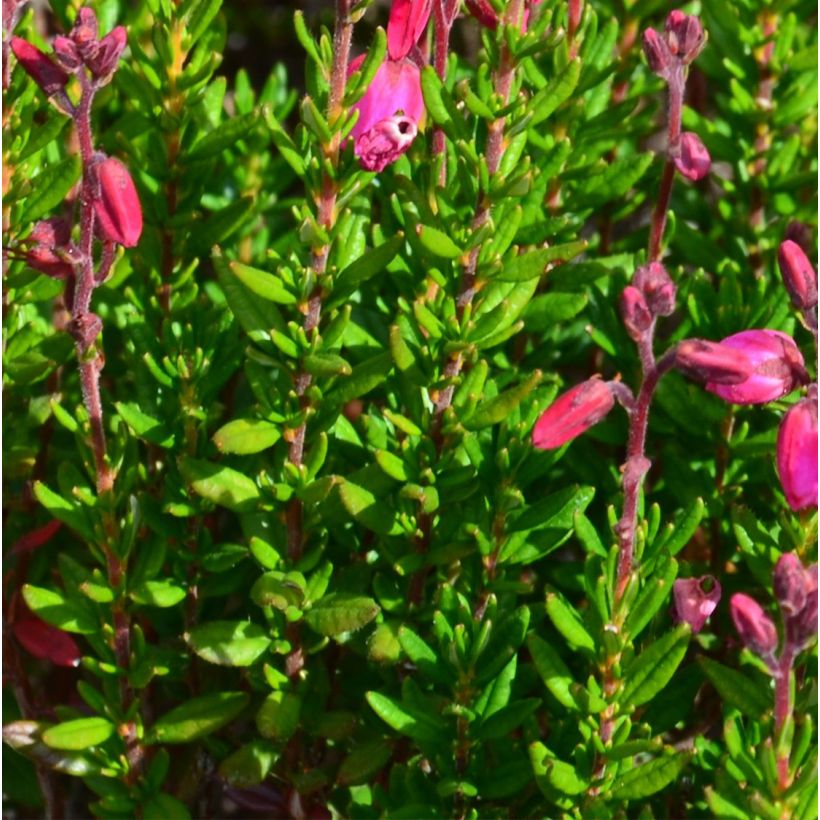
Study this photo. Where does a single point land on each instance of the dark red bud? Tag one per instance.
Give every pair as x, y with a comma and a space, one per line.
84, 33
712, 362
657, 52
50, 77
799, 276
572, 413
117, 206
657, 287
684, 34
483, 12
50, 238
692, 158
66, 54
635, 312
103, 62
53, 232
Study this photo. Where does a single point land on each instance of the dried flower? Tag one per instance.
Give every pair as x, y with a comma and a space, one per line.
572, 414
797, 453
696, 599
49, 240
777, 367
692, 159
102, 61
116, 204
799, 276
50, 77
712, 362
755, 627
657, 287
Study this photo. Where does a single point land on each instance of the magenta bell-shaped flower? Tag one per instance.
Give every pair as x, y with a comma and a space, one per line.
797, 453
777, 367
712, 362
572, 413
696, 599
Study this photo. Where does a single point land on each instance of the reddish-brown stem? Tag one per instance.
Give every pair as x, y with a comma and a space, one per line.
659, 214
442, 26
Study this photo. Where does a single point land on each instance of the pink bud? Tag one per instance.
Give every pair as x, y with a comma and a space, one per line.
799, 277
50, 77
47, 642
777, 367
117, 206
103, 61
657, 52
50, 236
791, 584
693, 160
84, 33
572, 413
684, 34
696, 599
804, 625
712, 362
385, 142
575, 10
754, 626
66, 54
408, 19
483, 12
657, 287
635, 312
797, 454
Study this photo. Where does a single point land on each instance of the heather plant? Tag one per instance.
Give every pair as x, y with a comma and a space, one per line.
317, 499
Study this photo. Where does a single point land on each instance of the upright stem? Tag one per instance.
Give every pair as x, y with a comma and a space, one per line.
442, 26
783, 706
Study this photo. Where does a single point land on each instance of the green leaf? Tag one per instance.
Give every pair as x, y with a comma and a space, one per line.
143, 425
553, 775
76, 735
736, 689
197, 16
546, 310
365, 267
246, 436
440, 105
648, 778
613, 181
220, 484
340, 612
222, 137
651, 598
422, 655
586, 533
406, 719
71, 514
438, 243
556, 93
278, 717
326, 364
556, 511
55, 609
263, 284
496, 694
159, 593
367, 509
49, 188
198, 717
364, 762
505, 720
553, 671
249, 765
365, 377
276, 589
499, 408
165, 806
685, 526
229, 643
650, 671
533, 264
568, 622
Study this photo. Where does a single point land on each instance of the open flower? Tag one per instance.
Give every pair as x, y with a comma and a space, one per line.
695, 600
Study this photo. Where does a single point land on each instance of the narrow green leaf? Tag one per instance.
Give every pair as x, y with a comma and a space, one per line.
249, 765
438, 243
505, 720
499, 408
648, 778
365, 267
220, 484
367, 509
556, 511
340, 612
568, 622
553, 775
76, 735
222, 137
587, 534
165, 806
245, 436
70, 513
737, 689
145, 426
56, 609
406, 719
651, 598
365, 377
650, 671
556, 93
685, 526
198, 717
229, 643
533, 264
263, 284
278, 717
364, 762
49, 188
159, 593
326, 364
422, 655
553, 671
197, 17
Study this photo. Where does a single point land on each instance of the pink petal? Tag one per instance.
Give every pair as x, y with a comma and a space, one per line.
408, 19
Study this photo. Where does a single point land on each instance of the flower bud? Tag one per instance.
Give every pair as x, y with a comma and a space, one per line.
684, 34
116, 204
66, 54
47, 642
103, 61
754, 626
635, 312
695, 600
799, 276
49, 237
50, 77
797, 454
777, 367
791, 584
658, 55
572, 414
84, 33
657, 288
483, 12
692, 159
804, 625
712, 362
385, 142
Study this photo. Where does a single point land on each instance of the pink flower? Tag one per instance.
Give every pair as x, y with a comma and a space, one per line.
712, 362
799, 275
777, 367
116, 204
657, 52
389, 113
692, 159
696, 599
797, 453
408, 19
754, 626
572, 413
